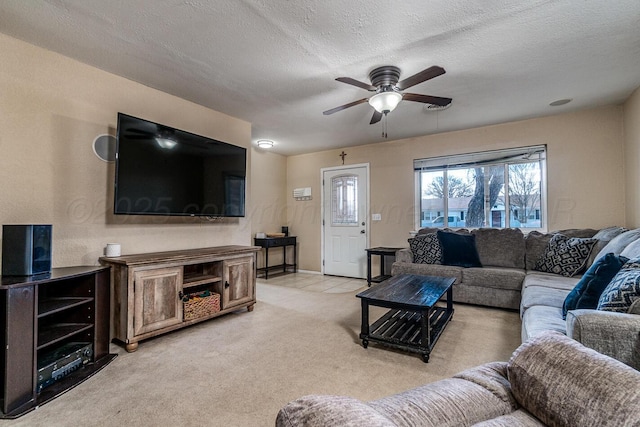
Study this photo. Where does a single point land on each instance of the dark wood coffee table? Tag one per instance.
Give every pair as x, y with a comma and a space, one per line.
414, 322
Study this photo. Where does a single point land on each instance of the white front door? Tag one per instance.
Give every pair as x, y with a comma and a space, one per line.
345, 226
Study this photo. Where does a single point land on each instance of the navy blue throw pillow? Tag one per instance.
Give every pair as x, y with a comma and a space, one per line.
587, 291
459, 249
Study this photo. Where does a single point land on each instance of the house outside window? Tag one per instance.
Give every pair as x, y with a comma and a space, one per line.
499, 189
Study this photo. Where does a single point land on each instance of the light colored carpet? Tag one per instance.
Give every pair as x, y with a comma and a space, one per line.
239, 369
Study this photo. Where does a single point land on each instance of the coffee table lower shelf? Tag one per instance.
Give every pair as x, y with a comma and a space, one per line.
402, 329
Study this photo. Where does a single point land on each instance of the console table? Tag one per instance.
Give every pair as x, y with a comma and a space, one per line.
276, 242
382, 252
154, 293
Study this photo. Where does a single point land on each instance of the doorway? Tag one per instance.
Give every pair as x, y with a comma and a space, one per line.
345, 226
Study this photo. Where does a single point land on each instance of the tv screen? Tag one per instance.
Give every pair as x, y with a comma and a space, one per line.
165, 171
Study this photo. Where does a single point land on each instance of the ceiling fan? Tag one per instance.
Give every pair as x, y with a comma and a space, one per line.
164, 136
389, 91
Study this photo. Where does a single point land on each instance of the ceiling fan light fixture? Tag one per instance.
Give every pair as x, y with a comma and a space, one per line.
165, 143
385, 102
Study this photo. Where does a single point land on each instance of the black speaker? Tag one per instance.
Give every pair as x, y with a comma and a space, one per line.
26, 250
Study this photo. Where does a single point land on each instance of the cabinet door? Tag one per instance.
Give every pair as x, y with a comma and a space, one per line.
239, 281
157, 304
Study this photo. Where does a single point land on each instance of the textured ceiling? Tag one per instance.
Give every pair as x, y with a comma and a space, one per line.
274, 63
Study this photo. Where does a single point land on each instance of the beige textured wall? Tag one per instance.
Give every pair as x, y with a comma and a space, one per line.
584, 170
632, 158
51, 109
268, 199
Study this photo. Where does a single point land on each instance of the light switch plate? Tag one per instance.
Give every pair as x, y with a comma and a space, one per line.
376, 217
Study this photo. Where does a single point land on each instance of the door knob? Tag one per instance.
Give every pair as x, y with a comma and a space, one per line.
362, 231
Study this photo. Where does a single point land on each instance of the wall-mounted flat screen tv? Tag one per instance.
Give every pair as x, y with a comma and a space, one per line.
165, 171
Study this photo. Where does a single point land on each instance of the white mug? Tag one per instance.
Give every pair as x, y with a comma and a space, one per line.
112, 249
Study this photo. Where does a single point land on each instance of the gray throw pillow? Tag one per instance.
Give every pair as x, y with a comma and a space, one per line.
623, 290
566, 256
426, 249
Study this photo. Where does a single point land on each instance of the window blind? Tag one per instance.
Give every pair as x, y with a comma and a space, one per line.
510, 155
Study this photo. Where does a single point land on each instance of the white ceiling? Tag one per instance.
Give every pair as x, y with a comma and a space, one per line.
274, 63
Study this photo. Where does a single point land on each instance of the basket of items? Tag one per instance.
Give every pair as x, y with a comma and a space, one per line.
200, 304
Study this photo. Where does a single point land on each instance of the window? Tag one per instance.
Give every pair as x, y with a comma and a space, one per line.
344, 200
502, 188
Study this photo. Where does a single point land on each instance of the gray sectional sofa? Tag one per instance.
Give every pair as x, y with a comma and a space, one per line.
510, 277
550, 380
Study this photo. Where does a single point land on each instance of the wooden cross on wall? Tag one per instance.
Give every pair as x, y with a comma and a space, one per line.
343, 155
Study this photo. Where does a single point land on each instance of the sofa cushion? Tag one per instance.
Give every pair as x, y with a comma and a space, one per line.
604, 236
519, 418
475, 395
321, 410
500, 247
549, 280
459, 249
535, 245
427, 270
562, 383
538, 295
615, 334
426, 249
565, 255
588, 290
632, 250
494, 277
623, 290
540, 319
619, 243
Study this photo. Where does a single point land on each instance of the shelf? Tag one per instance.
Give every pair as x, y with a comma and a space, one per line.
42, 314
55, 305
190, 281
59, 331
379, 279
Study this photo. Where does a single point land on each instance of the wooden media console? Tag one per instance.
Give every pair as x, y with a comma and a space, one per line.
159, 292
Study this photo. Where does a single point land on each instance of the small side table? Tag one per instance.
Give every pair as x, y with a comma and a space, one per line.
382, 252
276, 242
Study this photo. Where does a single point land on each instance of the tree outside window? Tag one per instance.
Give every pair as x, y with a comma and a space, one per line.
505, 192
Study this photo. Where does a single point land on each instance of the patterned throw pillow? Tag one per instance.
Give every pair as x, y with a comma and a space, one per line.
566, 256
426, 249
623, 290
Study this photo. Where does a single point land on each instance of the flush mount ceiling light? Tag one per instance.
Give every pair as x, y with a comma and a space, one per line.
560, 102
264, 143
385, 102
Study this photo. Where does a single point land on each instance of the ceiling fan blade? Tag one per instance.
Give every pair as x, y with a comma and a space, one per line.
354, 82
426, 99
345, 106
422, 76
377, 116
134, 130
